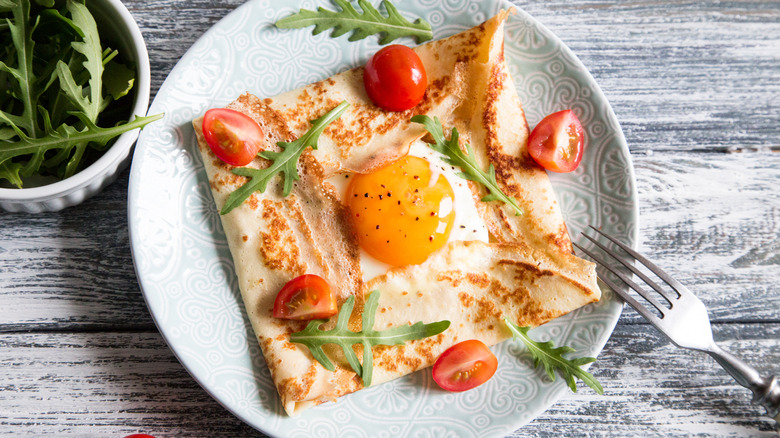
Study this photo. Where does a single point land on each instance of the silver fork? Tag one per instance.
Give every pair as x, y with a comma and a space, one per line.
683, 320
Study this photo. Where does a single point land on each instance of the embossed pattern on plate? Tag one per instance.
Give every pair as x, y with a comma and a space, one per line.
185, 269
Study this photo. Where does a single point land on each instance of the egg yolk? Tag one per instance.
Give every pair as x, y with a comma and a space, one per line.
400, 215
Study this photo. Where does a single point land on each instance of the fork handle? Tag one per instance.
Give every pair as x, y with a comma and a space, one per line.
766, 391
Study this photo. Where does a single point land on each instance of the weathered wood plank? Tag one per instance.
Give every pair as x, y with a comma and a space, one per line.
71, 268
656, 389
713, 222
101, 384
680, 75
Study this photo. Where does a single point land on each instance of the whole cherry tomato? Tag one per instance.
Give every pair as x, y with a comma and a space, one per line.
464, 366
395, 78
305, 297
233, 136
557, 142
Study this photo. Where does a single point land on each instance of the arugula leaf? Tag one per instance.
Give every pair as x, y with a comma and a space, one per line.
7, 133
368, 23
6, 5
552, 359
314, 338
54, 17
284, 162
118, 80
10, 171
90, 104
469, 168
66, 136
21, 33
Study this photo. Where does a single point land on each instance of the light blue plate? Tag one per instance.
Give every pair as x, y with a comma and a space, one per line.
186, 272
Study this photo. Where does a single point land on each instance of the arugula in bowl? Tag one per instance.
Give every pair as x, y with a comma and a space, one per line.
64, 94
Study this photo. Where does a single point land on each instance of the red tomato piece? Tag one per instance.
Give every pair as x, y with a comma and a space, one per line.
395, 78
305, 297
557, 142
464, 366
234, 137
139, 435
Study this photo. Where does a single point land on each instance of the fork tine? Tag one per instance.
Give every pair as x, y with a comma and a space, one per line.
651, 299
642, 309
632, 268
676, 285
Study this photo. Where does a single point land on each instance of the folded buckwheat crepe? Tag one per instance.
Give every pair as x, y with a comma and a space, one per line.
520, 267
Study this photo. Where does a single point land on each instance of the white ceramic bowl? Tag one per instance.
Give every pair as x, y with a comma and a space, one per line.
118, 26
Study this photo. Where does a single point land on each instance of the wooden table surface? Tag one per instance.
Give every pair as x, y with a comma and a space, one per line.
696, 87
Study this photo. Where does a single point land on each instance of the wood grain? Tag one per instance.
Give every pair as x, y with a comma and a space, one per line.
103, 384
698, 76
656, 389
695, 87
114, 383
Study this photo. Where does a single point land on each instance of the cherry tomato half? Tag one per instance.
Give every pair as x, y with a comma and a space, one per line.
395, 78
233, 136
305, 297
464, 366
139, 435
557, 142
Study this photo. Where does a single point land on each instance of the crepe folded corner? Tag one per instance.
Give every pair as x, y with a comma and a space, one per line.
527, 272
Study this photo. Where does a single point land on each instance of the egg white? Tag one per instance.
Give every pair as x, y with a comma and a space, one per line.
468, 225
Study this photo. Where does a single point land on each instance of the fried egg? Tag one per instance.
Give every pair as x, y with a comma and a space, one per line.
407, 210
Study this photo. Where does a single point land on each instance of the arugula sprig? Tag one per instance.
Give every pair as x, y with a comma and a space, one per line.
284, 162
368, 23
65, 137
470, 170
552, 359
314, 338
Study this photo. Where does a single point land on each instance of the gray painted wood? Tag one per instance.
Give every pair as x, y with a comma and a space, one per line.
695, 87
112, 383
